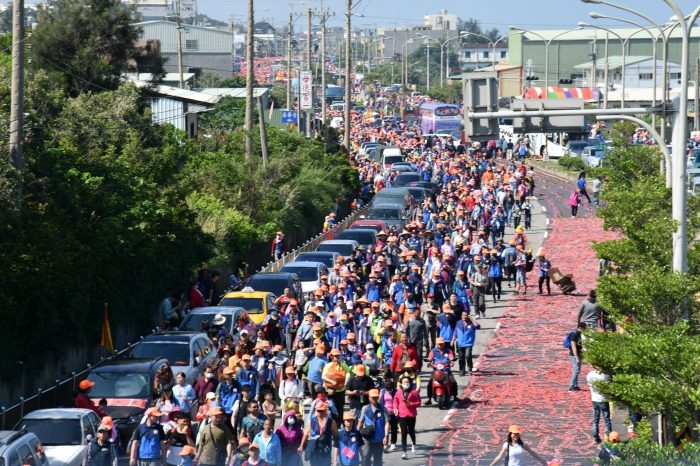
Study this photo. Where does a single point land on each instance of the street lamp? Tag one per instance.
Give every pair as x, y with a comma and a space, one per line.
493, 44
546, 48
369, 54
427, 58
654, 38
442, 51
404, 64
623, 42
680, 133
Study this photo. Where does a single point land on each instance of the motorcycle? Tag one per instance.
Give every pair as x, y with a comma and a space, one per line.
441, 385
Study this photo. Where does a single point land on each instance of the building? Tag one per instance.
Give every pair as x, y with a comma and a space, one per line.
555, 57
441, 21
475, 55
638, 72
175, 106
152, 10
203, 49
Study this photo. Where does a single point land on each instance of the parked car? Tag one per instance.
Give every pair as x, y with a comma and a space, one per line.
429, 185
187, 352
20, 448
342, 246
256, 303
64, 432
195, 318
593, 156
272, 282
364, 236
408, 177
574, 148
309, 273
128, 386
326, 257
376, 225
392, 214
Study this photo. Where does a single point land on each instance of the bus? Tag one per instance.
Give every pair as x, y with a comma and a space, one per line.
439, 117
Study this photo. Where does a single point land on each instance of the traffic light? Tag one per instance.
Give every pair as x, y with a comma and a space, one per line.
532, 78
566, 81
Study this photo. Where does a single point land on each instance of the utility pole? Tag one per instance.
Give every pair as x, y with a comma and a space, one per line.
308, 67
324, 15
348, 75
180, 65
289, 61
263, 132
250, 77
17, 92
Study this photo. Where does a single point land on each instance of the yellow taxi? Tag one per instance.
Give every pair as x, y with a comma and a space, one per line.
256, 303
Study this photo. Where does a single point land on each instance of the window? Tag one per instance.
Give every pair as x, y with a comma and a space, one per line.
503, 53
486, 54
467, 54
191, 45
645, 76
674, 76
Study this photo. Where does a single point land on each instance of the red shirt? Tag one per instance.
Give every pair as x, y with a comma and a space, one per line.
83, 401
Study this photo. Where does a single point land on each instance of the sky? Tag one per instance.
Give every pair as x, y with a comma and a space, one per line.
500, 14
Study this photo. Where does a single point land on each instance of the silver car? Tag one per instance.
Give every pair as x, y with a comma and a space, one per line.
64, 432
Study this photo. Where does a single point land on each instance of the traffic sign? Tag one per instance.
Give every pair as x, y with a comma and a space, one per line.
289, 116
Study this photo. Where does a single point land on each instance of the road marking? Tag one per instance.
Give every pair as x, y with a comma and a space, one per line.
546, 234
546, 221
544, 209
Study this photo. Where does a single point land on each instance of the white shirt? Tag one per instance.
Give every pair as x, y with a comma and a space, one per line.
592, 377
515, 454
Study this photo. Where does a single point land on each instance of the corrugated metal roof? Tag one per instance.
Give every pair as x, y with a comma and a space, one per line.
614, 62
195, 39
235, 92
589, 33
180, 94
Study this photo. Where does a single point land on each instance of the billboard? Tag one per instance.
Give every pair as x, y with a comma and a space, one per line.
305, 90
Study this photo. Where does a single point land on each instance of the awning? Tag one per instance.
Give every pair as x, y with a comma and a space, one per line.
588, 94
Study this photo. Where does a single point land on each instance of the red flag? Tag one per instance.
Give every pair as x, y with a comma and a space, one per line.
106, 338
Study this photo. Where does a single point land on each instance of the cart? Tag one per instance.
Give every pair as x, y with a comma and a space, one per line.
565, 282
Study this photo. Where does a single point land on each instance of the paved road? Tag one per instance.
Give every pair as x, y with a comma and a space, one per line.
433, 424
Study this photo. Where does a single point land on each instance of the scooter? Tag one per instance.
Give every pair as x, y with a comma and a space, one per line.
441, 385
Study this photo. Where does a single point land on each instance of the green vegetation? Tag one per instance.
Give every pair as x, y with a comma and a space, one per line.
571, 163
655, 363
116, 210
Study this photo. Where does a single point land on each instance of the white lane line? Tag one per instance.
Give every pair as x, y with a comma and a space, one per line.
546, 221
544, 209
546, 234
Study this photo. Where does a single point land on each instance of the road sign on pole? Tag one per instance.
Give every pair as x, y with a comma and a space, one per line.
289, 116
306, 90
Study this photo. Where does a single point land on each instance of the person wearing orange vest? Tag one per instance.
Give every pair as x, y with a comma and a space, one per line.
335, 375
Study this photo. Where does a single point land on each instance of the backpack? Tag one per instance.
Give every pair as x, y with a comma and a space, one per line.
510, 258
567, 341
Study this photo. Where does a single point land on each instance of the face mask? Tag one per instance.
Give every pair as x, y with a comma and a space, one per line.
370, 351
291, 421
406, 386
344, 323
209, 375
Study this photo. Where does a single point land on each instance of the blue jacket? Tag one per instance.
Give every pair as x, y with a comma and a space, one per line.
271, 450
465, 334
446, 328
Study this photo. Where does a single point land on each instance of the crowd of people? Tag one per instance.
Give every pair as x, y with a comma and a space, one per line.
334, 376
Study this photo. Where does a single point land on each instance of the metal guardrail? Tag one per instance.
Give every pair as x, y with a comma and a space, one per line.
311, 244
62, 392
58, 395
